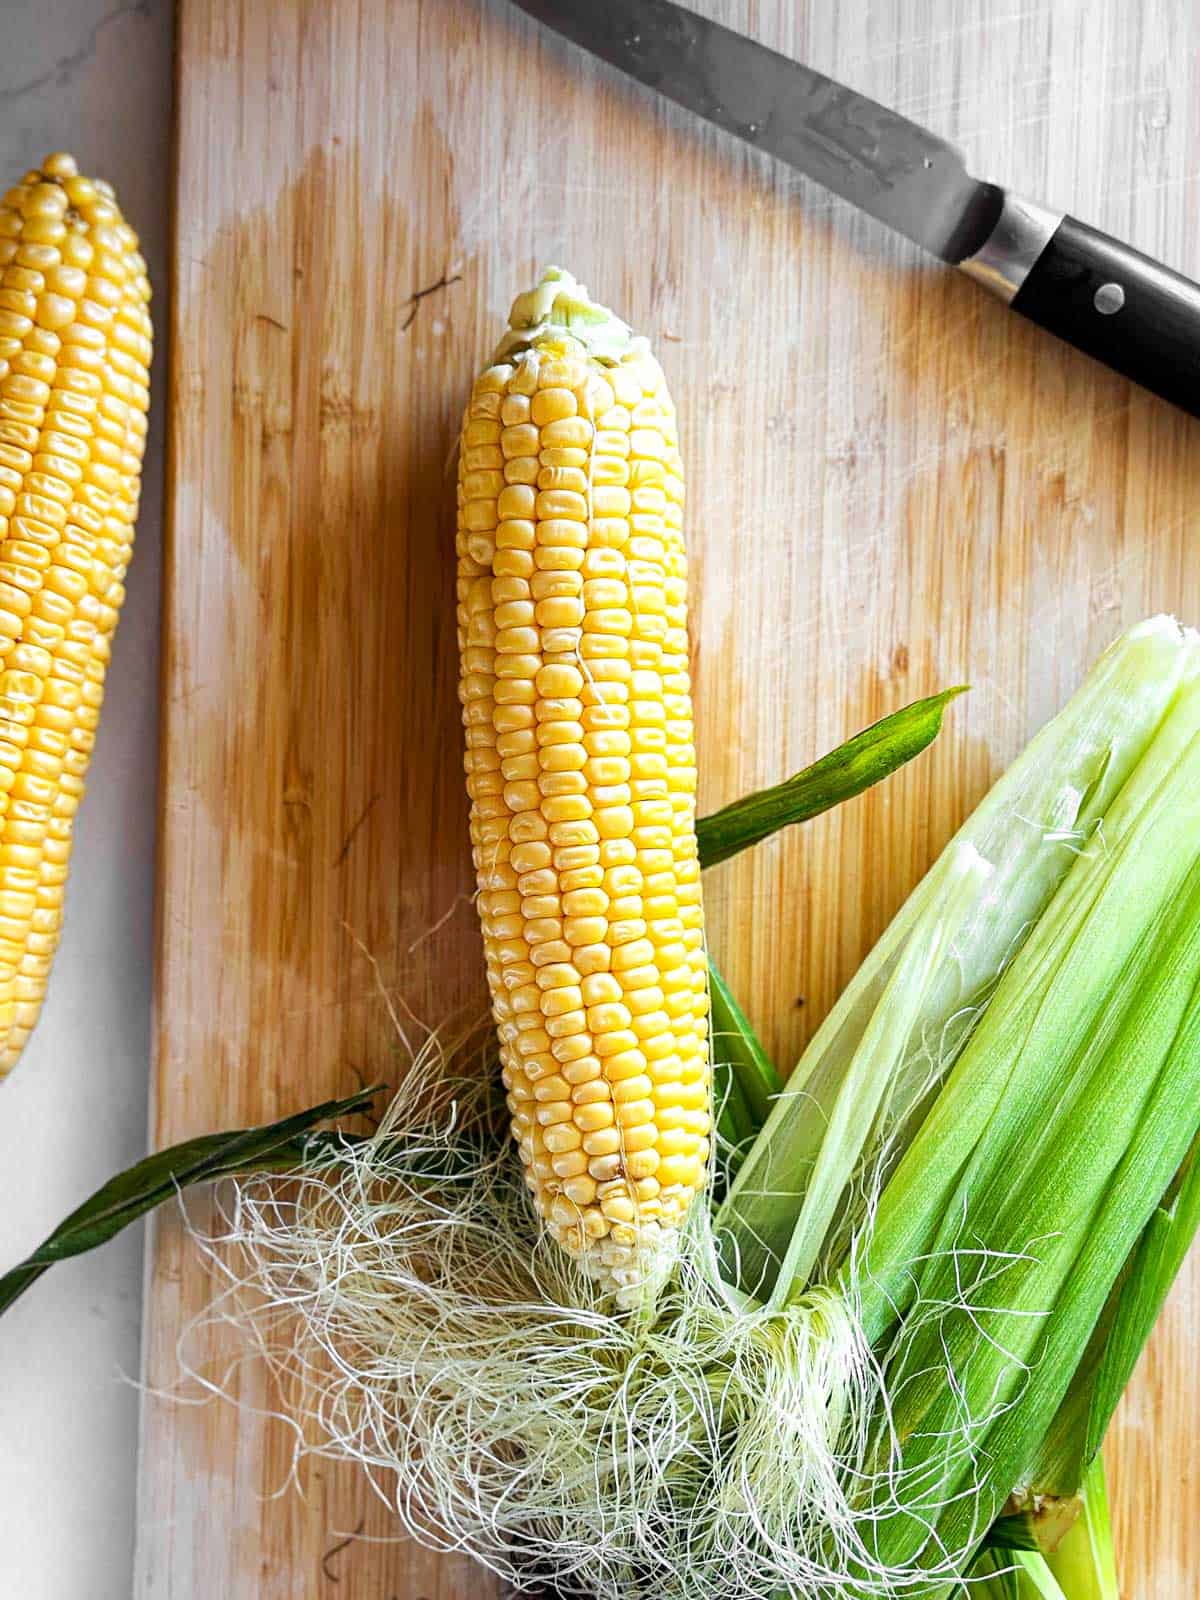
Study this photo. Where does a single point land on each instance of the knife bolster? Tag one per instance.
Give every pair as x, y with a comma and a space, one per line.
1004, 262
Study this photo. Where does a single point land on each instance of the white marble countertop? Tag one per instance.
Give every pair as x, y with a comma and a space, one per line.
92, 77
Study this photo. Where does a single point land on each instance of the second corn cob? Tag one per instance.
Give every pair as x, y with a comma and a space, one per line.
75, 343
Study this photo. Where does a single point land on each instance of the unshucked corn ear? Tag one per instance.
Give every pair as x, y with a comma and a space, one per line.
75, 341
572, 597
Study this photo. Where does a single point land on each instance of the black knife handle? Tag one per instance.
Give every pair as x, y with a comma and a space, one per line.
1122, 307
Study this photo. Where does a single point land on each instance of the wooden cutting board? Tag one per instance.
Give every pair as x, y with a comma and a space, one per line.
895, 485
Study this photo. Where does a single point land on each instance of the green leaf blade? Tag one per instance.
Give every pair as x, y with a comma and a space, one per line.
858, 764
739, 1050
744, 1082
279, 1146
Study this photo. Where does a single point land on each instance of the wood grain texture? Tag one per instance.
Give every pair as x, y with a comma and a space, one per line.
895, 485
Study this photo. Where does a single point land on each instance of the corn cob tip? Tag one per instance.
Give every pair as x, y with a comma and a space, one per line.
60, 165
559, 306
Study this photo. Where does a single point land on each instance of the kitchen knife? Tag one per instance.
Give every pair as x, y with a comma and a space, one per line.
1105, 298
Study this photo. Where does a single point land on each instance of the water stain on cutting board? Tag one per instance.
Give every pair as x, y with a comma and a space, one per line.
336, 784
323, 800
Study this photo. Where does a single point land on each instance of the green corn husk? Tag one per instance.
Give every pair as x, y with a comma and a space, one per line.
1030, 828
978, 1382
1012, 1575
1060, 1547
1070, 1450
1001, 1233
1052, 994
1083, 1563
957, 884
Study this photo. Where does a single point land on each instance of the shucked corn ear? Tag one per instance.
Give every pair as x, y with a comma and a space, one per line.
74, 389
581, 768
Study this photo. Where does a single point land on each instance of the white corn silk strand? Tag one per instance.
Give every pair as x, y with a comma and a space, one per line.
432, 1333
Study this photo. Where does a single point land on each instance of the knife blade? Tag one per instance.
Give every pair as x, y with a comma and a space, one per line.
1138, 316
879, 161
